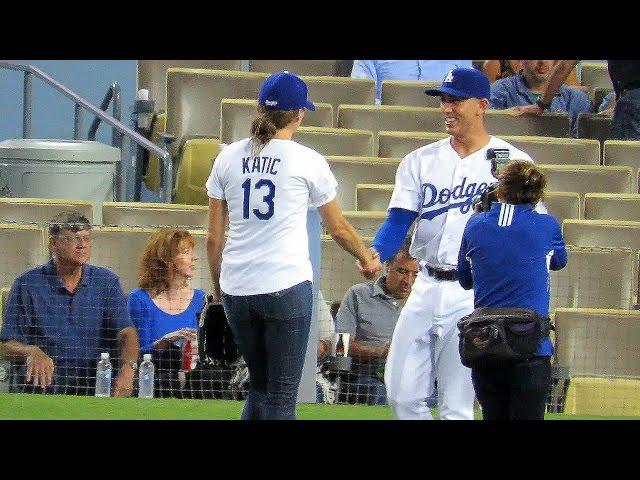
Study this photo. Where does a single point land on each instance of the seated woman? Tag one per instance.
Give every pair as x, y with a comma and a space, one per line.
164, 309
505, 256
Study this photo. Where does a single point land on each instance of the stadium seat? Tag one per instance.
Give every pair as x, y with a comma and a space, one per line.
373, 197
339, 90
592, 125
329, 68
336, 141
237, 115
563, 205
558, 151
194, 97
197, 159
596, 278
595, 75
137, 214
40, 210
602, 233
587, 178
398, 144
505, 122
612, 206
618, 153
152, 74
603, 396
597, 342
365, 223
350, 171
409, 93
152, 176
23, 247
338, 272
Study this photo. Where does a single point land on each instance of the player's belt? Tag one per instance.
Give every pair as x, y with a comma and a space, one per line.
440, 274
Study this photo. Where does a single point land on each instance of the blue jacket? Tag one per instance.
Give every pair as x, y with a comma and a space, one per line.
506, 254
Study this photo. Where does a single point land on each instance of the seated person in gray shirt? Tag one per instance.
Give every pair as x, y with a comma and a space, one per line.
369, 312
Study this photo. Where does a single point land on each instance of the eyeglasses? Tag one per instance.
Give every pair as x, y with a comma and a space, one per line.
77, 239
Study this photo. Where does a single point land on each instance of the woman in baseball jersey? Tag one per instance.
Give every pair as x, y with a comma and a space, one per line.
263, 186
505, 256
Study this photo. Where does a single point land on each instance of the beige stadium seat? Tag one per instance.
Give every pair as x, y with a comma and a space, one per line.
602, 233
603, 396
409, 93
338, 271
596, 278
390, 118
365, 223
595, 75
152, 74
23, 247
237, 115
120, 249
563, 205
137, 214
592, 125
612, 206
299, 67
194, 97
558, 151
398, 144
598, 342
505, 122
336, 141
587, 178
151, 177
620, 153
341, 90
40, 210
197, 159
373, 197
350, 171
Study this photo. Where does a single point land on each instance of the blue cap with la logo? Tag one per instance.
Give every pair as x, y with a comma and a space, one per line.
464, 83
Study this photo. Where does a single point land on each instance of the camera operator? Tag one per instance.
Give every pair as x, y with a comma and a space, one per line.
505, 255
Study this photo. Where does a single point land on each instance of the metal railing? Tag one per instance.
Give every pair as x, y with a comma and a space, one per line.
120, 129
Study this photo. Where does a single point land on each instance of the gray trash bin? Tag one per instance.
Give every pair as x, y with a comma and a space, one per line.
69, 169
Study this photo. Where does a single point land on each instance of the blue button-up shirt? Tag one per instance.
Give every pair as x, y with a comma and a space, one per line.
426, 70
72, 328
506, 255
513, 91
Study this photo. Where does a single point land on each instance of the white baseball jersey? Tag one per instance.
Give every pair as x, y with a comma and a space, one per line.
268, 195
435, 182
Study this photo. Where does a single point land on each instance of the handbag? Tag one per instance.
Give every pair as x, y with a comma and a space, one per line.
493, 337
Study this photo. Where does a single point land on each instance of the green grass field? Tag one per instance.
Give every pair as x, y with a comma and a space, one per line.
61, 407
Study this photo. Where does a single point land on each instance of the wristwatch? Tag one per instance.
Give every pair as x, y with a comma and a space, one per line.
132, 363
543, 106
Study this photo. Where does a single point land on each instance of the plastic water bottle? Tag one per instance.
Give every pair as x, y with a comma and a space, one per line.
103, 376
145, 377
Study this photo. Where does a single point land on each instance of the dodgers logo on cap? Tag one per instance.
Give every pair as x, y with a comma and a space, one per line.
284, 91
463, 83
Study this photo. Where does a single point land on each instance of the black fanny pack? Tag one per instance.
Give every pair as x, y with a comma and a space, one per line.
500, 337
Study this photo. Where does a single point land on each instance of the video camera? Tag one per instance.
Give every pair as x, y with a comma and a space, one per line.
498, 157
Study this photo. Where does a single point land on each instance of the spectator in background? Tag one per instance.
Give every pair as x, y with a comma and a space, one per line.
426, 70
369, 312
526, 87
60, 316
164, 308
497, 69
325, 387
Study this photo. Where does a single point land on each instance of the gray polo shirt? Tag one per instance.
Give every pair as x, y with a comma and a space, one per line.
368, 314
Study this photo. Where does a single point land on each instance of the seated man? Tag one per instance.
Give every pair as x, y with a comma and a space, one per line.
424, 70
369, 312
60, 316
525, 88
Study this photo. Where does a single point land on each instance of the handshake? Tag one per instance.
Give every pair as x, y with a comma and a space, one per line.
371, 265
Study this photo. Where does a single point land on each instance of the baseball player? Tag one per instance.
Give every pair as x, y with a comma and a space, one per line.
436, 184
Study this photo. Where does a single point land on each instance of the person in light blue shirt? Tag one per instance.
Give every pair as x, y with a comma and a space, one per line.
505, 256
426, 70
526, 87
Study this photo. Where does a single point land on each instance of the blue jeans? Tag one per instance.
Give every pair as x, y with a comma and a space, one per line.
272, 331
626, 117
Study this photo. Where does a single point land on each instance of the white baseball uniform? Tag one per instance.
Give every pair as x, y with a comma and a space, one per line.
268, 195
435, 182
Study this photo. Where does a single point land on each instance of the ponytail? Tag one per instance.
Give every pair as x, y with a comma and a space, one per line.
266, 125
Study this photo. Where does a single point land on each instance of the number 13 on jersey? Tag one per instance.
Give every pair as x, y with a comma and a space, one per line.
267, 198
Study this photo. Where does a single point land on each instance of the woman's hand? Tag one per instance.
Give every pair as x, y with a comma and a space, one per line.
187, 334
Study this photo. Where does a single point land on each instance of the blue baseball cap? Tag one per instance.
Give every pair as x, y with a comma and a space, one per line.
464, 83
284, 91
